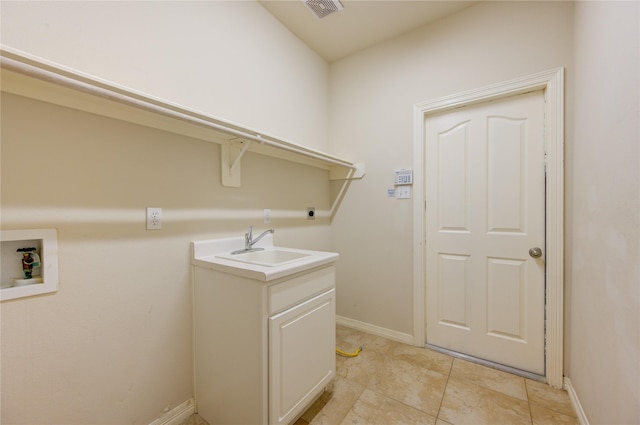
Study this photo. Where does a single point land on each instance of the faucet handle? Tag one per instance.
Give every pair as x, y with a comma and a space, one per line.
248, 237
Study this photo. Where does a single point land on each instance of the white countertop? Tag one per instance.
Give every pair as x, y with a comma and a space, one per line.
206, 254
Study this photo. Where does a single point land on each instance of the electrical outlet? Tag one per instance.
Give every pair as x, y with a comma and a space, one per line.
154, 218
267, 215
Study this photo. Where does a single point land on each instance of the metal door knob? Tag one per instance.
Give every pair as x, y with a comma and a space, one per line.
535, 252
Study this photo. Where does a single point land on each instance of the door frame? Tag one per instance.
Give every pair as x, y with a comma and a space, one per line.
552, 83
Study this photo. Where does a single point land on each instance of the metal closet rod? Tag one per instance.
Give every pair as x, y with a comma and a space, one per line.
54, 74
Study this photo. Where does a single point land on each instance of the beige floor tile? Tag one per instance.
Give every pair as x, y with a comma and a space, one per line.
421, 357
345, 332
334, 404
466, 403
360, 369
492, 379
413, 384
542, 416
375, 409
548, 397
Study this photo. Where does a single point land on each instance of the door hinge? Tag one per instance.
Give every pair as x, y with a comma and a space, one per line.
546, 159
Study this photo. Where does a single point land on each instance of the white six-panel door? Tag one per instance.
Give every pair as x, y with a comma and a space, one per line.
484, 211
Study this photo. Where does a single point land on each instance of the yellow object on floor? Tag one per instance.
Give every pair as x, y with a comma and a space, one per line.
344, 354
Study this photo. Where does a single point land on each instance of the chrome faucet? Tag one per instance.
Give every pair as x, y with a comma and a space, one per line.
249, 241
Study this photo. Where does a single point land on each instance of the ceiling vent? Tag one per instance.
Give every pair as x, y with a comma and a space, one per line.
322, 8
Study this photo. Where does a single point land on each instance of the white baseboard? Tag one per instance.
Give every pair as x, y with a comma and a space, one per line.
177, 415
375, 330
575, 402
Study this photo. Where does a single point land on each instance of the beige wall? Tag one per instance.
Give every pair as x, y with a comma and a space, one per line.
603, 338
230, 59
113, 346
371, 115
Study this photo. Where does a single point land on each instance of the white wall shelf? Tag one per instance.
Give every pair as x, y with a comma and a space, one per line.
45, 277
36, 78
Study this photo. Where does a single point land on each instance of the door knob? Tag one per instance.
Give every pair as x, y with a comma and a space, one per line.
535, 252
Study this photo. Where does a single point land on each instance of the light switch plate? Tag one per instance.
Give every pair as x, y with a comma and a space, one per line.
404, 192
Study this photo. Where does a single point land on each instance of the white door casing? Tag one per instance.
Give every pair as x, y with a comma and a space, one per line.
484, 210
552, 84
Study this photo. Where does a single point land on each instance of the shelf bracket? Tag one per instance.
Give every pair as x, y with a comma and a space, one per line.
231, 153
343, 173
246, 144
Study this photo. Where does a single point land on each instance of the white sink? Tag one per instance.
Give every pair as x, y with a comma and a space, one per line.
269, 264
268, 257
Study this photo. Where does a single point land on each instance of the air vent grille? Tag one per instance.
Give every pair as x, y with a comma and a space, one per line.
322, 8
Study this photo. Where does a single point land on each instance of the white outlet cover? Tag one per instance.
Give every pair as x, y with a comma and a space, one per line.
154, 218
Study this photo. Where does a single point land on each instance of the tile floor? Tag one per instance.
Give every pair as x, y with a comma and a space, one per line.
394, 383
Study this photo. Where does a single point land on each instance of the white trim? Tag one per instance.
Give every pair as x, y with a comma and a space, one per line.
194, 372
177, 415
552, 82
374, 330
575, 402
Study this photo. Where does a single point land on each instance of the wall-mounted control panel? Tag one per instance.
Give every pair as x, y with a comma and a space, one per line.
403, 181
404, 177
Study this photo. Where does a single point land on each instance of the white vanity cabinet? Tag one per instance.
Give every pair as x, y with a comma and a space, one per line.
264, 350
301, 356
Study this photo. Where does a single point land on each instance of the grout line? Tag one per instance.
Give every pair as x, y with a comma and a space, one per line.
382, 352
526, 391
364, 388
496, 391
493, 391
445, 388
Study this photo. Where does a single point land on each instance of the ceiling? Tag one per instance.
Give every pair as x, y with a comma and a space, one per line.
360, 24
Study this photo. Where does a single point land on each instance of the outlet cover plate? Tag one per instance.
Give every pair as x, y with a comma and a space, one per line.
154, 218
311, 213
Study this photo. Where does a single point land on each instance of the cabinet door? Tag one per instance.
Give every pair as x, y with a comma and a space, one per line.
301, 356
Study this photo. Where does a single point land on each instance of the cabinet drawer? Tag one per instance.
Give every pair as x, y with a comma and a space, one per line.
286, 294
